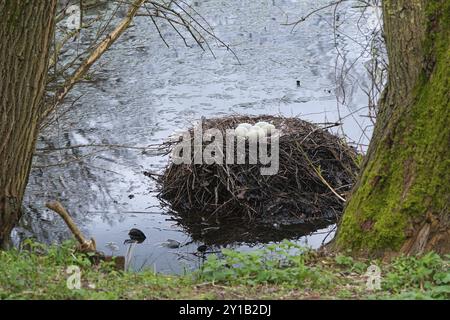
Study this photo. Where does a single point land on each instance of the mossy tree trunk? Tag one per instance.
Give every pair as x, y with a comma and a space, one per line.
26, 30
401, 201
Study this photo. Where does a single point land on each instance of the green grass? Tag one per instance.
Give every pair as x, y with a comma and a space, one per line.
285, 271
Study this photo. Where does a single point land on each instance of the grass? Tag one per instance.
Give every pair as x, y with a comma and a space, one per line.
285, 271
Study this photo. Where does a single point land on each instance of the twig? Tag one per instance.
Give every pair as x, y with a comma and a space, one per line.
85, 245
96, 54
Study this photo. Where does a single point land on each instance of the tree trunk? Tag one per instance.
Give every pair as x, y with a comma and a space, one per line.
401, 201
26, 30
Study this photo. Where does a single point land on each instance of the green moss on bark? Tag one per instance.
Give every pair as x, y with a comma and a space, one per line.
408, 177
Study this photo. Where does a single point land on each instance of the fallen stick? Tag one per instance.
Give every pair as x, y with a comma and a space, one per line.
84, 245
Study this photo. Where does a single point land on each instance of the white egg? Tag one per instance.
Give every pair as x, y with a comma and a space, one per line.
262, 124
247, 126
255, 132
241, 131
268, 128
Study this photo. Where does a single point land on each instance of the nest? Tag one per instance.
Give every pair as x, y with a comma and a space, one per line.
316, 171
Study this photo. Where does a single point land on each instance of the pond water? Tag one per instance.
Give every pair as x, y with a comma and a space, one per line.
141, 91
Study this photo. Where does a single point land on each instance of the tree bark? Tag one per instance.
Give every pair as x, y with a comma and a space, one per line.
26, 30
401, 201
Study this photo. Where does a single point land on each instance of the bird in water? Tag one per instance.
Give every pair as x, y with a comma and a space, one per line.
137, 235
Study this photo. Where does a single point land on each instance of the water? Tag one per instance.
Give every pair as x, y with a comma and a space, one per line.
141, 91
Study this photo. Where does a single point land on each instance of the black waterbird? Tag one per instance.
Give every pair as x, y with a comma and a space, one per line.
137, 235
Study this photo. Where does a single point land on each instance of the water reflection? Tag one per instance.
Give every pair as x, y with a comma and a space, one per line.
226, 232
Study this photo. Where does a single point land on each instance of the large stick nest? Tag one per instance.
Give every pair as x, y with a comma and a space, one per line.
316, 172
